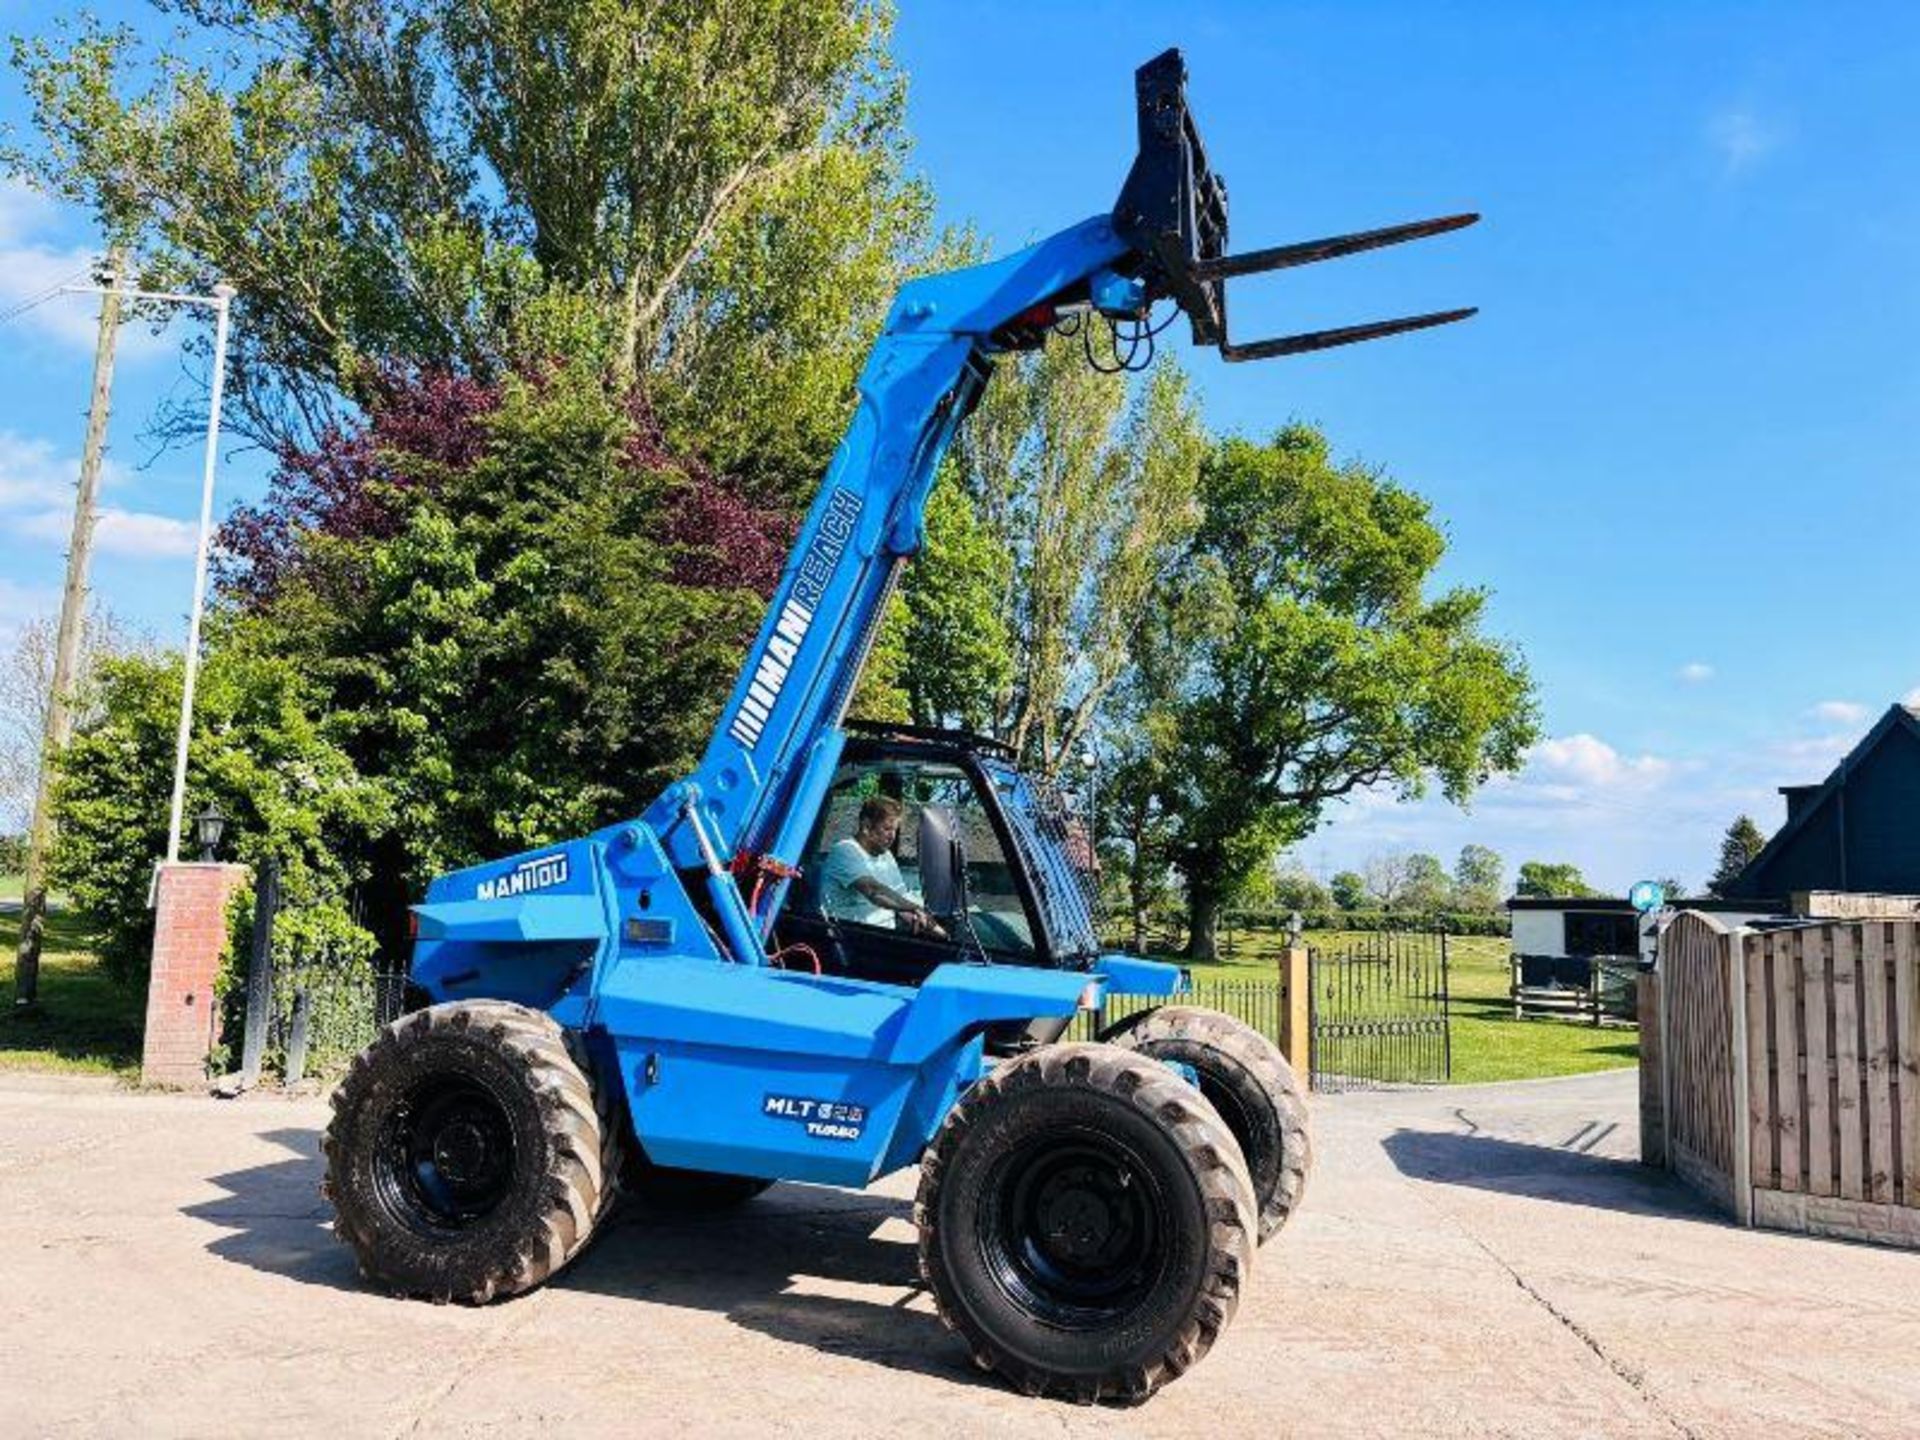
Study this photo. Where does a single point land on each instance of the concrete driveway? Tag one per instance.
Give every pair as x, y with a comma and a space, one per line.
1473, 1261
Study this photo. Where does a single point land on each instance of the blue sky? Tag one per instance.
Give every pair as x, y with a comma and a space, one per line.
1677, 443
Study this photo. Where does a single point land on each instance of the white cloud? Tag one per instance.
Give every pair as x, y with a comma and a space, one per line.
1840, 712
23, 210
1912, 697
1742, 138
37, 496
138, 532
1587, 760
31, 473
20, 603
31, 264
118, 532
1695, 672
1815, 752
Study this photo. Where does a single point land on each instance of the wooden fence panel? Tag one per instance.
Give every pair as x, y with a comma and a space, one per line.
1828, 1105
1876, 1061
1815, 950
1762, 1137
1906, 1008
1787, 1029
1700, 1121
1846, 1062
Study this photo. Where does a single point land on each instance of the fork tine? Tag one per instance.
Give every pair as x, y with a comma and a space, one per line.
1311, 252
1347, 335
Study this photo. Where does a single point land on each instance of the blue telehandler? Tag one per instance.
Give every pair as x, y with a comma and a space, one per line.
689, 1006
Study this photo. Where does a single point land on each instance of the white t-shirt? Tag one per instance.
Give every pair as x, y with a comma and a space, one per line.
847, 863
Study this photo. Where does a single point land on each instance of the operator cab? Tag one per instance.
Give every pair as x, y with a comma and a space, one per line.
992, 855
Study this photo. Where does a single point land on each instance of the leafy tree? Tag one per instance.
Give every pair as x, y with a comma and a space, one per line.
1386, 880
1407, 882
1085, 489
1290, 887
1428, 887
714, 200
519, 606
1478, 878
1130, 813
1672, 889
954, 628
1349, 890
1326, 668
280, 773
26, 683
1738, 847
1542, 880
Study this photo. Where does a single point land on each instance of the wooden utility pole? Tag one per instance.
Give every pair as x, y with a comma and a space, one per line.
66, 655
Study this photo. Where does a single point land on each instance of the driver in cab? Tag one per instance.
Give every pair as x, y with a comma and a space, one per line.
863, 881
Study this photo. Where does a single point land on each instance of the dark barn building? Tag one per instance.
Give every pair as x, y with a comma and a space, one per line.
1858, 830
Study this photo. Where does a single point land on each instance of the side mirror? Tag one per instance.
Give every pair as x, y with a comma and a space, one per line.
943, 862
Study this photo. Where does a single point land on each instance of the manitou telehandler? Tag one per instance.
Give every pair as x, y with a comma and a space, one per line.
672, 1008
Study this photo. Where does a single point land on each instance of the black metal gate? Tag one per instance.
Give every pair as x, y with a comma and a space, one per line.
1379, 1012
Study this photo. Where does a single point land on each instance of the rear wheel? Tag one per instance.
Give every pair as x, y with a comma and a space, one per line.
466, 1159
1252, 1086
1086, 1223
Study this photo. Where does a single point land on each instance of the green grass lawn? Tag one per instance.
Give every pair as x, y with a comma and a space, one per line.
85, 1023
1488, 1043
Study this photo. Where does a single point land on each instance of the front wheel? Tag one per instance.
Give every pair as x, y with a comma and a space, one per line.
1086, 1223
1252, 1086
466, 1159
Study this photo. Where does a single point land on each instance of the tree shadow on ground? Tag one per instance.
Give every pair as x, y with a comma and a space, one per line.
1565, 1174
801, 1263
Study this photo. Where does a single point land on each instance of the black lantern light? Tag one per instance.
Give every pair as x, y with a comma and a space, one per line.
210, 824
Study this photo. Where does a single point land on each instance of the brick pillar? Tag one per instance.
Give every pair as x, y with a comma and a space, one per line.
189, 934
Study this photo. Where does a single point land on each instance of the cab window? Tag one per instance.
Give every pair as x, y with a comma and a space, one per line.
978, 906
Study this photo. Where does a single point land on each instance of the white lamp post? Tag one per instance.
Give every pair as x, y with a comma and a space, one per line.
220, 301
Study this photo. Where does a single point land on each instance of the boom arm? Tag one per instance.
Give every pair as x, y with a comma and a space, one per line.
766, 769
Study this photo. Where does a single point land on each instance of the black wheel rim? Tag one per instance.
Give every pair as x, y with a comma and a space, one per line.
1073, 1227
447, 1155
1232, 1110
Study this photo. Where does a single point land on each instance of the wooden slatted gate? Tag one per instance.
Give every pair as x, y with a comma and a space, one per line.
1379, 1012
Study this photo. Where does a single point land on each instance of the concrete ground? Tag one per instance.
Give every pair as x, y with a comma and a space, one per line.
1471, 1261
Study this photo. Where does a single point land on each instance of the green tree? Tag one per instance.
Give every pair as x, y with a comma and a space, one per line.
951, 615
1349, 890
713, 199
1386, 880
1429, 889
1479, 878
537, 641
1289, 886
262, 750
1085, 488
1672, 889
1326, 668
1542, 880
1738, 847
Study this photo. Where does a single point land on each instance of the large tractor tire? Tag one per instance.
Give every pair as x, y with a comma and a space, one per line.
670, 1191
467, 1159
1252, 1086
1086, 1223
